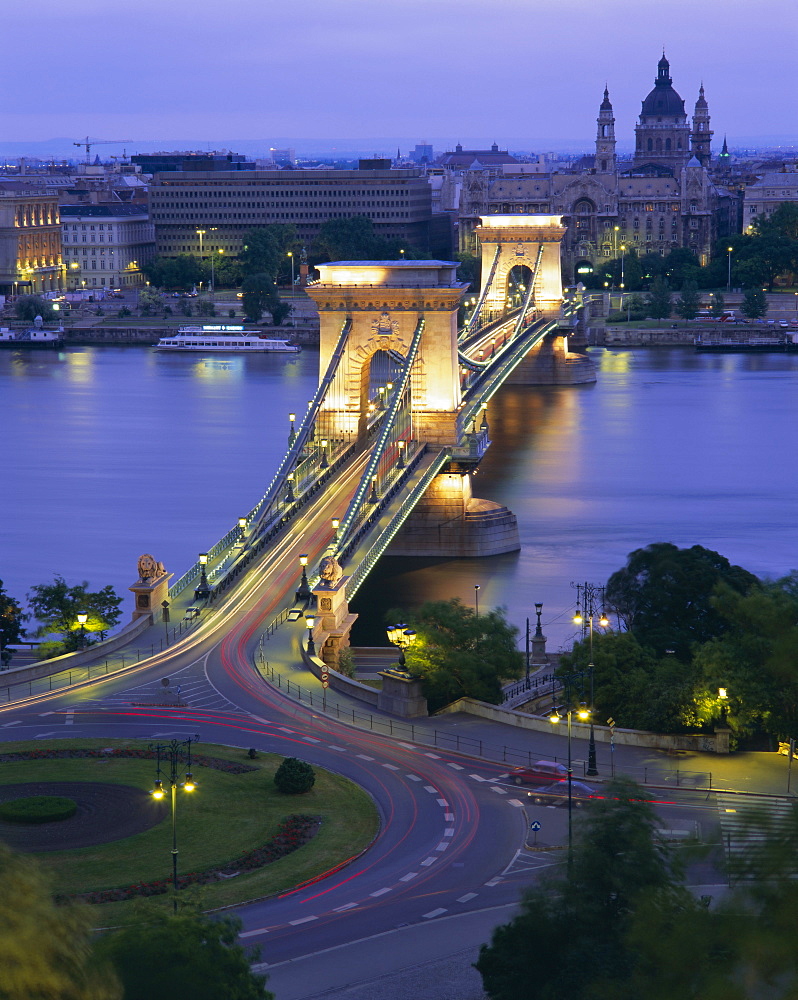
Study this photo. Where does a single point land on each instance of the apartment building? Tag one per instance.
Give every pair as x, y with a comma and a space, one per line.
105, 246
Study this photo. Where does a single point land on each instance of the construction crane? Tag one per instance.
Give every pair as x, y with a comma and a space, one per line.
88, 142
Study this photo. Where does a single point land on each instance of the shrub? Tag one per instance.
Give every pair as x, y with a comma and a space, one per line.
38, 809
123, 312
294, 777
346, 662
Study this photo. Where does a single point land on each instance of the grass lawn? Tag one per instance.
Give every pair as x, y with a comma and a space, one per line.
227, 815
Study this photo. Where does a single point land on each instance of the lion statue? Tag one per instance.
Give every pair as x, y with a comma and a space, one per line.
330, 571
149, 568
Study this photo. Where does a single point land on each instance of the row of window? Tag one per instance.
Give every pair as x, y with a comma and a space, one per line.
101, 227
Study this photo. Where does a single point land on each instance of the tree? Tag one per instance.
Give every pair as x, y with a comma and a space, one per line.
460, 655
658, 304
56, 606
355, 239
470, 270
28, 307
188, 956
260, 295
663, 595
294, 777
688, 303
571, 936
45, 950
682, 265
181, 272
266, 250
12, 618
755, 304
149, 300
717, 305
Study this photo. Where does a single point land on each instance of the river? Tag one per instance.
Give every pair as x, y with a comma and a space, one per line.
109, 452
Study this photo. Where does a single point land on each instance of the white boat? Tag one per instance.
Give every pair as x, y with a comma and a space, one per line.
226, 339
35, 337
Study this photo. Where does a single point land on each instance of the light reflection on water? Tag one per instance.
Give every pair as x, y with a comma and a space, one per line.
109, 452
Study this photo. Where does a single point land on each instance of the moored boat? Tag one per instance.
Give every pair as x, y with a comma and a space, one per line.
37, 336
224, 339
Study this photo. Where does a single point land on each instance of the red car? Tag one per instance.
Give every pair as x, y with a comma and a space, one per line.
543, 772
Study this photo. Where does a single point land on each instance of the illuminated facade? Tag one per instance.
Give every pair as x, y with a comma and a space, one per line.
105, 246
30, 240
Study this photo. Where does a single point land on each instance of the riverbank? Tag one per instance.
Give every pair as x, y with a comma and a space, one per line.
150, 335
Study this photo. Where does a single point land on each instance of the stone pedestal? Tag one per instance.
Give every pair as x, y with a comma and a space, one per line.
539, 658
333, 618
150, 595
722, 734
401, 695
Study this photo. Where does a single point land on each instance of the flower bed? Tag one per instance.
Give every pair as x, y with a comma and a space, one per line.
293, 833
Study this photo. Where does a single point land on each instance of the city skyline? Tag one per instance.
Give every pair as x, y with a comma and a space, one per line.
438, 71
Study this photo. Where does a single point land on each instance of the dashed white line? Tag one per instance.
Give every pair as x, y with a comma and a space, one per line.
443, 845
499, 791
70, 718
430, 789
443, 803
282, 729
331, 746
457, 767
310, 739
258, 930
346, 906
516, 802
302, 920
434, 913
449, 817
449, 831
477, 777
413, 777
468, 895
40, 736
434, 756
494, 881
428, 861
362, 756
391, 767
43, 715
379, 892
8, 724
406, 878
407, 746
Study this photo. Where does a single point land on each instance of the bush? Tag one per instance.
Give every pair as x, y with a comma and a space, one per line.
294, 777
123, 312
231, 313
346, 662
38, 809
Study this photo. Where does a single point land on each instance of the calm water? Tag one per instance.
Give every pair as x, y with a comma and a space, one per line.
111, 452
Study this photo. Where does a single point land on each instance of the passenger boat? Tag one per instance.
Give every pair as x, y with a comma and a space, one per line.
226, 339
711, 344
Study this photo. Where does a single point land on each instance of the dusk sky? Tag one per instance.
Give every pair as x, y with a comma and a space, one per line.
528, 73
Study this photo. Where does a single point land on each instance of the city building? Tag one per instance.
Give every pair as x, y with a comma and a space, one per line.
665, 197
106, 246
771, 189
158, 163
225, 204
30, 240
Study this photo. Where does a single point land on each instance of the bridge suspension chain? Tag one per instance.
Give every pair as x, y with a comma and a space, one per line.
473, 323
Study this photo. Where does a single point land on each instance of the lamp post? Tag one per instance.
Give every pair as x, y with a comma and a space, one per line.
200, 233
293, 318
292, 431
203, 590
476, 599
402, 637
82, 619
583, 713
588, 595
336, 524
303, 593
213, 278
728, 284
165, 619
310, 621
174, 752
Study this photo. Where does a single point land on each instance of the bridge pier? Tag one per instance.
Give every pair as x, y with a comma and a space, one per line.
552, 362
450, 521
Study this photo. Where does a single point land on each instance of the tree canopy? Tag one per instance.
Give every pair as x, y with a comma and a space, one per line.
266, 250
28, 307
458, 654
180, 273
356, 239
12, 620
260, 295
57, 605
658, 303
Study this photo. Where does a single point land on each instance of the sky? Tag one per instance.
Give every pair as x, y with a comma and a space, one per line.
528, 74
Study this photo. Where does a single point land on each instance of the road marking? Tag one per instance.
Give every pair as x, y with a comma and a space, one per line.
70, 717
434, 913
43, 715
391, 767
310, 739
468, 895
302, 920
457, 767
428, 861
362, 756
449, 817
258, 930
477, 777
282, 729
434, 756
407, 746
17, 723
413, 777
346, 906
40, 736
330, 746
443, 845
379, 892
443, 803
406, 878
499, 791
494, 881
516, 802
449, 831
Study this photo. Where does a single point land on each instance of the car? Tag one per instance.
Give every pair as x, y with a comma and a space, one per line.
556, 794
783, 324
191, 614
542, 772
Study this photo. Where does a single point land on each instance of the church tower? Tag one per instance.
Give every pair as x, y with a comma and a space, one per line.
663, 133
605, 137
701, 136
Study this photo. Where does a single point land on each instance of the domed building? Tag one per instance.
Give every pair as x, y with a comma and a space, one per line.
664, 197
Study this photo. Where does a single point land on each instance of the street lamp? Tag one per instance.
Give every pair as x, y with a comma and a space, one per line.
402, 637
336, 524
82, 619
213, 279
723, 696
200, 233
583, 713
293, 318
729, 251
303, 593
310, 621
324, 461
476, 600
203, 590
589, 595
292, 432
173, 752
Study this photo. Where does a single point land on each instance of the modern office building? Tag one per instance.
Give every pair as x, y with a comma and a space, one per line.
106, 246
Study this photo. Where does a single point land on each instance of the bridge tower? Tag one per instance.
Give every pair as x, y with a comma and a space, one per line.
385, 300
513, 241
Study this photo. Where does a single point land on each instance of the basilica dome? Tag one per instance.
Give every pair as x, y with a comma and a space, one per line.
663, 101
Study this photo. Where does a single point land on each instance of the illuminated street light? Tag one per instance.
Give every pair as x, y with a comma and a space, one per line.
310, 621
292, 432
176, 752
336, 524
303, 593
82, 619
590, 596
402, 637
203, 590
